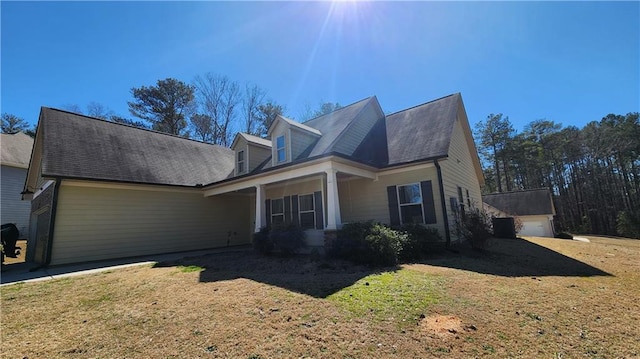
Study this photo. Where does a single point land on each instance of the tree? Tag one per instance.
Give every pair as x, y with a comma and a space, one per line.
72, 107
267, 113
97, 110
12, 124
323, 109
127, 121
253, 99
219, 98
165, 106
494, 135
203, 127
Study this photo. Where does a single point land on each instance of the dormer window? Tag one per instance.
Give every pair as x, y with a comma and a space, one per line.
281, 153
241, 161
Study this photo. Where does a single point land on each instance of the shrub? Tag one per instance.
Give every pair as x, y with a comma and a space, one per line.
564, 235
476, 228
368, 243
420, 241
261, 241
287, 239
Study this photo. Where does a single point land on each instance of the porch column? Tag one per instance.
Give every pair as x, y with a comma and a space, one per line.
261, 219
333, 201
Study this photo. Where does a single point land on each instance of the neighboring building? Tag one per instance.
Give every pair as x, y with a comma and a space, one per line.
533, 207
121, 191
14, 161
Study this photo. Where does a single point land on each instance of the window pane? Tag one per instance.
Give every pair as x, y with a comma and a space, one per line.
409, 194
277, 206
240, 156
277, 219
281, 155
412, 213
280, 142
306, 202
308, 220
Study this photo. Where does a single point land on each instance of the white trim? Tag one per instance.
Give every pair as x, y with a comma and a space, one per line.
400, 205
127, 186
305, 169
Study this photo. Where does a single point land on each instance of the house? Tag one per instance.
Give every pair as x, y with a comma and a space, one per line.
14, 161
118, 191
533, 207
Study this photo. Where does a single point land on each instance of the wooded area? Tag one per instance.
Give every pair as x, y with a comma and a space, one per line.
593, 172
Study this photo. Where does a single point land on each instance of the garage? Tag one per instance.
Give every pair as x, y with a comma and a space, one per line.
534, 228
533, 208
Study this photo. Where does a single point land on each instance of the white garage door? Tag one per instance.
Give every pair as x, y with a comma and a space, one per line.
533, 228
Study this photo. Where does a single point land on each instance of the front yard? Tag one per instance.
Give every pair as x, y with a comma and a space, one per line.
523, 298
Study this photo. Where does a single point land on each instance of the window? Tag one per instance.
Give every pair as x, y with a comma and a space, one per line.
410, 203
281, 153
307, 211
277, 211
240, 161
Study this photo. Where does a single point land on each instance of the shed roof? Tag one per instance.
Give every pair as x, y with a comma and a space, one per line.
522, 203
15, 149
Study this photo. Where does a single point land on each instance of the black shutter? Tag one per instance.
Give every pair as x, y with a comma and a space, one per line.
287, 210
428, 204
319, 211
394, 213
295, 214
267, 207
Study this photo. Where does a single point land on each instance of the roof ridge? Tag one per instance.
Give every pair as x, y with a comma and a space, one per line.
334, 111
422, 104
133, 127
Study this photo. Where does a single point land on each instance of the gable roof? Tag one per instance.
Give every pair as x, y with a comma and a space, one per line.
295, 124
522, 203
77, 146
335, 126
251, 139
422, 132
15, 149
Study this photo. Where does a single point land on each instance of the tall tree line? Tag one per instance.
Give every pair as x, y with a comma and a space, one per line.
593, 172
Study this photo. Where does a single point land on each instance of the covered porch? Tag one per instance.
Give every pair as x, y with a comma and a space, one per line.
304, 195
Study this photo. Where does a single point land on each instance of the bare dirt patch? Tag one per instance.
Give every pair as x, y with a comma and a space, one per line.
443, 326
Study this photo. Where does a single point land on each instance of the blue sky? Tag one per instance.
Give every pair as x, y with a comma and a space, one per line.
567, 62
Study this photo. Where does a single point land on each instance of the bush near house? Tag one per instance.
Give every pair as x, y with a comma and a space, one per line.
379, 245
475, 227
421, 240
286, 240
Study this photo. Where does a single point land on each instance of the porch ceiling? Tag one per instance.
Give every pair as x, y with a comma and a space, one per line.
344, 170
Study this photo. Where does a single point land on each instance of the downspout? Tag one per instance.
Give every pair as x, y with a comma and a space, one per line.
52, 220
443, 202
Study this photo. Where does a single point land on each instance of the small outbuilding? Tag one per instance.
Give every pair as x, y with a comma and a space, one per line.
534, 208
14, 160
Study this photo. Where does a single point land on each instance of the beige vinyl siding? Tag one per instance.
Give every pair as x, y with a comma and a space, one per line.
14, 209
300, 141
458, 171
358, 129
257, 155
99, 223
364, 199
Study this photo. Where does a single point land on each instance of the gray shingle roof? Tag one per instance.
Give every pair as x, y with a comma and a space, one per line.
522, 203
77, 146
333, 126
422, 132
15, 149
